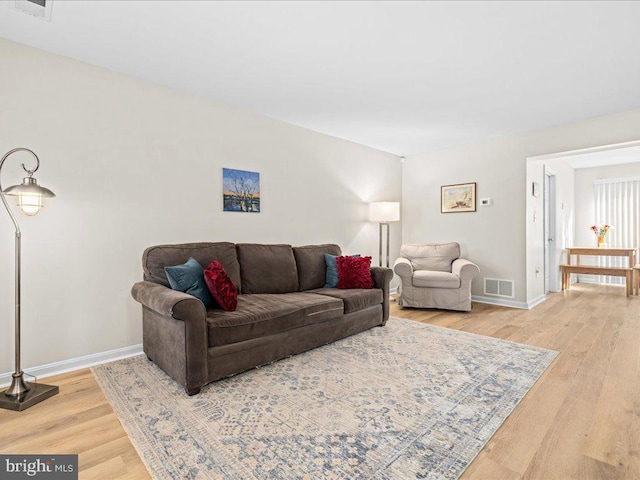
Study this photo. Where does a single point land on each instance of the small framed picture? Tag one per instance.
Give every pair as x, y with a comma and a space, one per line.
535, 189
458, 198
240, 191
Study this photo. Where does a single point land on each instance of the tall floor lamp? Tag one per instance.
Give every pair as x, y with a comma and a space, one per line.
21, 395
383, 213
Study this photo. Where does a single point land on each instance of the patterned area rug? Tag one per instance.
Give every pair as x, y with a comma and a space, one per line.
405, 401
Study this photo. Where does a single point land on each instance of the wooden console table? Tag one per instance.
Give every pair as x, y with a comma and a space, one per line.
626, 272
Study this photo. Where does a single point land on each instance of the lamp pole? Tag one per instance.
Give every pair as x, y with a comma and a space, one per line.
21, 395
384, 213
382, 224
18, 385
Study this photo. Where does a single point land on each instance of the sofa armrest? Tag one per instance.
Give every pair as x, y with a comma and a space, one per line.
381, 279
165, 301
403, 268
174, 333
464, 269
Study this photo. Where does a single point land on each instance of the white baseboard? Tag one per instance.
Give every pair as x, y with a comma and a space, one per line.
77, 363
506, 303
536, 301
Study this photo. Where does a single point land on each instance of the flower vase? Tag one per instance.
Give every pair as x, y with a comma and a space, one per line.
601, 243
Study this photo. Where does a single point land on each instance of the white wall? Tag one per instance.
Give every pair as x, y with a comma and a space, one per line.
135, 164
495, 237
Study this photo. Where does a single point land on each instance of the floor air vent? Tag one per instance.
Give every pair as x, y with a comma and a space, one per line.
498, 287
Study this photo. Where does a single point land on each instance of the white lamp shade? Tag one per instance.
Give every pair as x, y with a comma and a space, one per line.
383, 212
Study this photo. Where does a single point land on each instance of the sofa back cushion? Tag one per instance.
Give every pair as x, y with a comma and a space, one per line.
267, 268
156, 258
312, 268
431, 256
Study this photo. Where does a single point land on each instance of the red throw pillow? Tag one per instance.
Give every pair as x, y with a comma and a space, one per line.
353, 272
221, 286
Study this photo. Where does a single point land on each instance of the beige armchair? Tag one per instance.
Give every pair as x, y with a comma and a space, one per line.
434, 276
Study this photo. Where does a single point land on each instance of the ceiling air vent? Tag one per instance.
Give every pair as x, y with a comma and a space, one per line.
36, 8
498, 287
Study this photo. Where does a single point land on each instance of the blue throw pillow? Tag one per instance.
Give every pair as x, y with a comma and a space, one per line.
331, 280
189, 278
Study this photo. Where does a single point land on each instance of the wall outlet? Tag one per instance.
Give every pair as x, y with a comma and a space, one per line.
486, 202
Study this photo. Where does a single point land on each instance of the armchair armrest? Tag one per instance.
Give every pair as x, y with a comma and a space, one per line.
464, 269
165, 301
403, 268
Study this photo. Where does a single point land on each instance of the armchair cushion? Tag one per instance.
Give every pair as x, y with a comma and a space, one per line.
435, 279
430, 256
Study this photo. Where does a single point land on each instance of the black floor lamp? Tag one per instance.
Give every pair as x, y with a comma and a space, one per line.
21, 395
383, 213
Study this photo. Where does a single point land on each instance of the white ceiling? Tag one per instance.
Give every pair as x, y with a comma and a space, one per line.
403, 77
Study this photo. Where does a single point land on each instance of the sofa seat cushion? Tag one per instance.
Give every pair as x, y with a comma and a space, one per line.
433, 279
260, 315
354, 299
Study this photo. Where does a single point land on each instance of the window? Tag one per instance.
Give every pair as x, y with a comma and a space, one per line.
617, 202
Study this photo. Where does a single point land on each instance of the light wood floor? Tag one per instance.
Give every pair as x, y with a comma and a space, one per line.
580, 421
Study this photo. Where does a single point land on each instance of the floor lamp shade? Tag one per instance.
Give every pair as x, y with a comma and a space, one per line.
30, 195
21, 395
383, 213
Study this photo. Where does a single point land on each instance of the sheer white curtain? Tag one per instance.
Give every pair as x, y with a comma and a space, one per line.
617, 202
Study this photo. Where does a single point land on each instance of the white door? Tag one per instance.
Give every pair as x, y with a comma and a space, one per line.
550, 256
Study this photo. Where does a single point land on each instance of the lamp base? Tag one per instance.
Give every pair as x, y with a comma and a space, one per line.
36, 394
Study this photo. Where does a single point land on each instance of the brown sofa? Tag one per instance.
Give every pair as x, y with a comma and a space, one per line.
283, 309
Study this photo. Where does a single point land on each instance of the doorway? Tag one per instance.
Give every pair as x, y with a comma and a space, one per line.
571, 225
